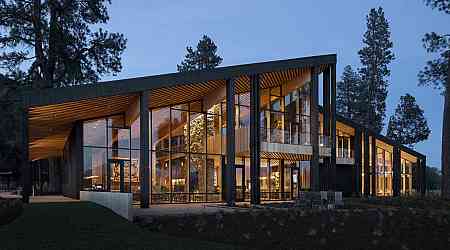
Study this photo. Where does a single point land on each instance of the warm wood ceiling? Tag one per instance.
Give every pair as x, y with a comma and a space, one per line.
50, 126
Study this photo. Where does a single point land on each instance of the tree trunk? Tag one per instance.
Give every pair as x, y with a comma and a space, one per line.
445, 158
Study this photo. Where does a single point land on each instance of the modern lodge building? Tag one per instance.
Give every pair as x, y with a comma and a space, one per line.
172, 138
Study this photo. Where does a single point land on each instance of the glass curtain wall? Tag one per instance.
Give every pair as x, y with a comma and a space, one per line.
285, 114
186, 148
344, 145
384, 173
111, 156
406, 173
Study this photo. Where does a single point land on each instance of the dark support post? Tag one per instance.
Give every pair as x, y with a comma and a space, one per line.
326, 183
374, 165
255, 139
357, 169
423, 168
144, 161
366, 164
25, 168
230, 173
282, 179
396, 171
315, 174
333, 127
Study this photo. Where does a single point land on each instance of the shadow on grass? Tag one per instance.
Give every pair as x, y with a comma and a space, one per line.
84, 225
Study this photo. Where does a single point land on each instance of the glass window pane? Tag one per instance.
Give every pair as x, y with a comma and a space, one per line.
160, 172
264, 178
118, 138
197, 175
94, 169
197, 134
179, 131
160, 129
214, 136
275, 176
119, 154
94, 133
135, 134
214, 175
244, 99
179, 167
135, 180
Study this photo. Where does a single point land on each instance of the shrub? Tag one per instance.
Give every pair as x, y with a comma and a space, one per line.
9, 210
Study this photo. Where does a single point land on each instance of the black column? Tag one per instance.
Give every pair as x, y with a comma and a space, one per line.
357, 168
255, 139
396, 171
25, 164
374, 164
366, 164
144, 161
423, 179
282, 179
315, 173
230, 173
333, 127
326, 182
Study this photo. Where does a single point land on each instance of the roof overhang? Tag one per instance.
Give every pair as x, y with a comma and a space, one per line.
52, 112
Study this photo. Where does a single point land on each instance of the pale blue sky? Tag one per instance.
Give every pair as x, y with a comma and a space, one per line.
253, 31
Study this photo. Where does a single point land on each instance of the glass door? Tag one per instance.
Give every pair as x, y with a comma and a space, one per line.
240, 183
118, 175
294, 183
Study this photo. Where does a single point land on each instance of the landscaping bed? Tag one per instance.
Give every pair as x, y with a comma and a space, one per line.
10, 209
295, 228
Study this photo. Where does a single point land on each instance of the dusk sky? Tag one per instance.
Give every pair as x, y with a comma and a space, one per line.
254, 31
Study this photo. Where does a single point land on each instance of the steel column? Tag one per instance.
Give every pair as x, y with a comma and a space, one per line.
374, 165
358, 162
326, 182
26, 175
231, 172
255, 139
315, 172
144, 161
396, 171
333, 127
366, 164
423, 168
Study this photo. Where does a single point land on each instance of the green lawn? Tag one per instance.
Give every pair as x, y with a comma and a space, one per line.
83, 225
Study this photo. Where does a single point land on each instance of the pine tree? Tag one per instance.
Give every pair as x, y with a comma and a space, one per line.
204, 57
437, 75
375, 57
54, 41
347, 98
408, 125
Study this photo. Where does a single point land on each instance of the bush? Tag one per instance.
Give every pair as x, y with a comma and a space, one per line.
9, 210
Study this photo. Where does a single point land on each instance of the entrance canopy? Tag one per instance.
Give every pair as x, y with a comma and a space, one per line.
53, 112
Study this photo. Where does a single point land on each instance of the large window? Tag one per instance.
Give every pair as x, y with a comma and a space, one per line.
186, 147
285, 113
111, 155
383, 173
406, 172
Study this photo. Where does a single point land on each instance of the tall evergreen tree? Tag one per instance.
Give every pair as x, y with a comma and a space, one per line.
348, 98
437, 75
375, 57
53, 39
408, 125
203, 57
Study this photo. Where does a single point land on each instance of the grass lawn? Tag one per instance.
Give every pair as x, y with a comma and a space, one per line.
83, 225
